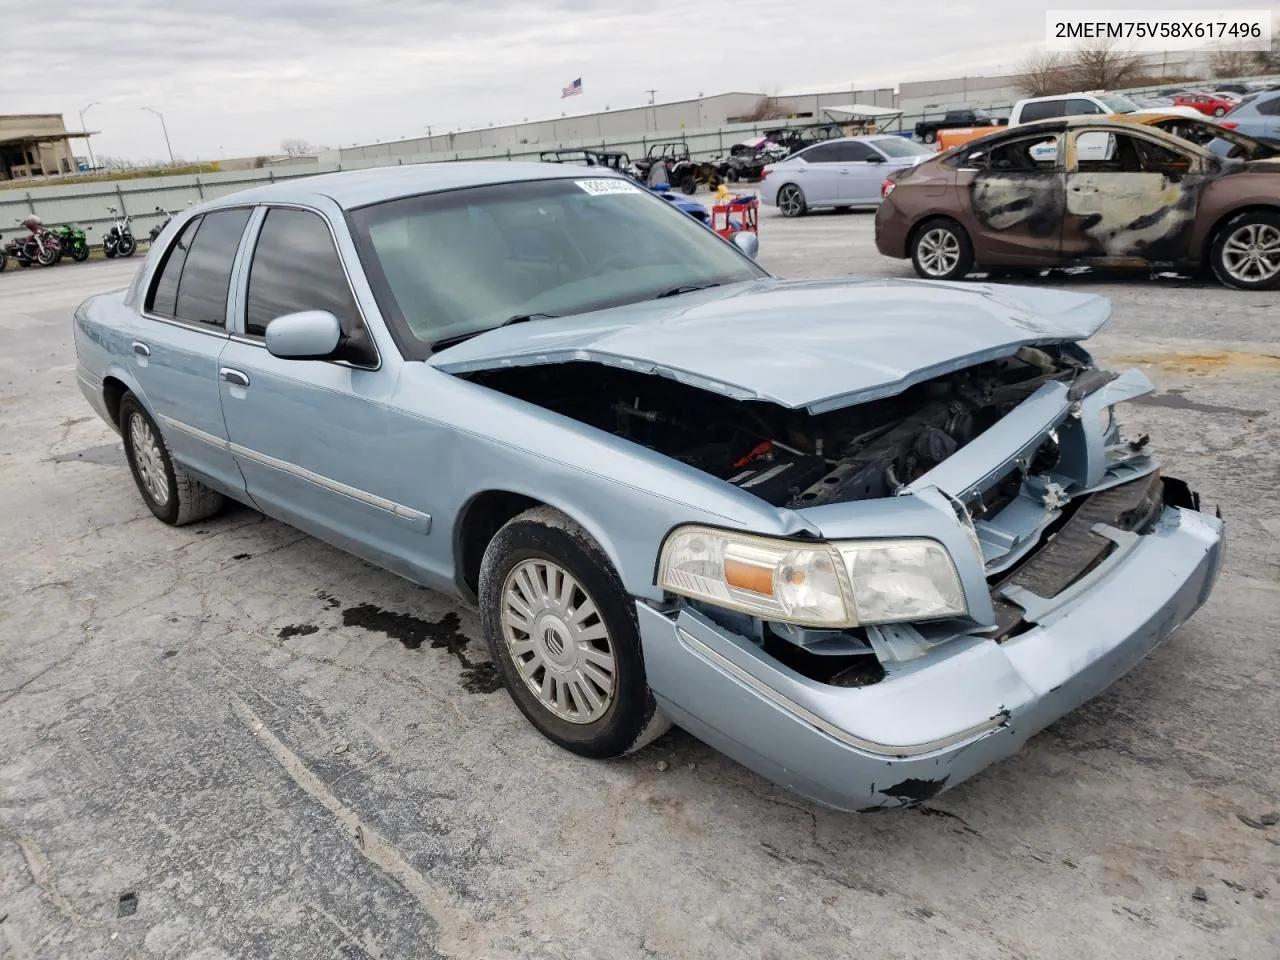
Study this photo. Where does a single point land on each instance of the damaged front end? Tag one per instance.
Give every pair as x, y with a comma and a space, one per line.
1041, 554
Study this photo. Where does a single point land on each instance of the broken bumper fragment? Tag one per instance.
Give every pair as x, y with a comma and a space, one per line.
918, 732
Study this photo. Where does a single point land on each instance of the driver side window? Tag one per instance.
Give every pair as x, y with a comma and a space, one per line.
295, 268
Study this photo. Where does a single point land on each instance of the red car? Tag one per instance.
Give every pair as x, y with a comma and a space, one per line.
1210, 104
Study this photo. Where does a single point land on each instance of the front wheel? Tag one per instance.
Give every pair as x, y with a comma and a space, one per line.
563, 635
172, 494
791, 201
1219, 111
689, 184
127, 245
48, 256
1246, 251
941, 250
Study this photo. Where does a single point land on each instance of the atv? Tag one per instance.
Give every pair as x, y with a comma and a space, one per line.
682, 171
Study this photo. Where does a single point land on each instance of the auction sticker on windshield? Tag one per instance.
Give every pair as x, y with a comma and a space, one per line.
606, 186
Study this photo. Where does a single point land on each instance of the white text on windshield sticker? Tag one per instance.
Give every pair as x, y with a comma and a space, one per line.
606, 186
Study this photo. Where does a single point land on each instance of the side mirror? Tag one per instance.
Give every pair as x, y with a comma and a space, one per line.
747, 242
875, 158
308, 335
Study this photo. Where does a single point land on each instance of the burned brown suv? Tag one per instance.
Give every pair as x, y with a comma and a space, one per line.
1088, 191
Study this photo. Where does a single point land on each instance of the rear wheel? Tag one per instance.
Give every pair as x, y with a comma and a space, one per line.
791, 202
1246, 251
563, 634
80, 253
1219, 111
172, 494
941, 250
127, 245
930, 136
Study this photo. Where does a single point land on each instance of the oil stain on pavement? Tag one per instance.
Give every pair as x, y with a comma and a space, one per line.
478, 676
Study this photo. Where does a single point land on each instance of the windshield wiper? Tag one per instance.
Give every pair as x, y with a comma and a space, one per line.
685, 288
518, 318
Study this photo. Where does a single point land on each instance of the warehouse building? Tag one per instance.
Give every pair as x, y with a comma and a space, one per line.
36, 145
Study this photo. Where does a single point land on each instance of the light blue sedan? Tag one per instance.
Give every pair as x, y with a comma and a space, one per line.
866, 537
842, 173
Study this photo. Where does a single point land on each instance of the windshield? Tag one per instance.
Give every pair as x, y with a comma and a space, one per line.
901, 147
1118, 104
447, 265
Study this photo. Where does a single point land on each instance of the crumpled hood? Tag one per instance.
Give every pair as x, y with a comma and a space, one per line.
820, 345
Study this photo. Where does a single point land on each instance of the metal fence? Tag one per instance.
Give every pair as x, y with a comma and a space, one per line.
88, 203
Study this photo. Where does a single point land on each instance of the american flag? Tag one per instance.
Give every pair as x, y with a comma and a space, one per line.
572, 90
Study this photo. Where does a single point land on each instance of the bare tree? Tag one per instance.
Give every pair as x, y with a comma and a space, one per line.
296, 148
1103, 67
766, 108
1043, 74
1266, 61
1231, 62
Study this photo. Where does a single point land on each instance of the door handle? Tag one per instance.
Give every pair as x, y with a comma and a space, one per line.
141, 349
234, 377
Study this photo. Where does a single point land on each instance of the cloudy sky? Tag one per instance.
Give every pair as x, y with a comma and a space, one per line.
235, 77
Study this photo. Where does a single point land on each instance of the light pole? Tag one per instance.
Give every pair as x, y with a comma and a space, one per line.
165, 128
87, 141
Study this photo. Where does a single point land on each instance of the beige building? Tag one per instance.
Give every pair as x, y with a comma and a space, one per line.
35, 145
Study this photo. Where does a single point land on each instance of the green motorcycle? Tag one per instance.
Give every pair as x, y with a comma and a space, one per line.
72, 241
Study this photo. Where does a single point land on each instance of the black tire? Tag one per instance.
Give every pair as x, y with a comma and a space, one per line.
1269, 221
80, 254
127, 245
930, 136
936, 229
109, 251
791, 201
689, 184
1219, 111
732, 175
186, 500
4, 260
631, 719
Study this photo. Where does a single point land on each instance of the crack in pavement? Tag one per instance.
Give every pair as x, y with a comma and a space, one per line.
454, 926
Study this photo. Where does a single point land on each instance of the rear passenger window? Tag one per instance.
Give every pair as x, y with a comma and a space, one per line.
164, 293
1041, 110
206, 275
823, 153
854, 152
296, 267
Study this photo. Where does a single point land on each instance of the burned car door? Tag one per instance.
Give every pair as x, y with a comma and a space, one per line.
1129, 196
1014, 189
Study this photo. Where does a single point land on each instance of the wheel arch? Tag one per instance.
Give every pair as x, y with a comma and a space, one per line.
1210, 235
487, 511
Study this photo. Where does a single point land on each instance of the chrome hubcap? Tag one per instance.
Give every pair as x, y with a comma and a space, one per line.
148, 459
1252, 252
939, 252
558, 641
789, 201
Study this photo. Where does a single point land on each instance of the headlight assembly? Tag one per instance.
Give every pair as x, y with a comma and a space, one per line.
833, 585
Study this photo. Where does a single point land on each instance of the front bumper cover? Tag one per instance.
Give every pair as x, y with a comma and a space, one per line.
911, 736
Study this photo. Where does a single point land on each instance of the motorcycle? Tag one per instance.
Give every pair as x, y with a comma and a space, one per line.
4, 257
72, 241
38, 246
168, 218
119, 241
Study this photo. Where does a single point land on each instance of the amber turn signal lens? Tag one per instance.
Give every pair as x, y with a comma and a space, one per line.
748, 576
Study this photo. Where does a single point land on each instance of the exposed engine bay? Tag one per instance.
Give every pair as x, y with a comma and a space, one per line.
790, 457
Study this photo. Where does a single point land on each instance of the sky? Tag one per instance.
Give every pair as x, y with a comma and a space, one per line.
236, 77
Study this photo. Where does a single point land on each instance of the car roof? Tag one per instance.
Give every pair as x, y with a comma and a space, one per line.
1055, 125
358, 188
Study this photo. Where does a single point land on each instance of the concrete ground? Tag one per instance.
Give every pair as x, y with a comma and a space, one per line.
230, 740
